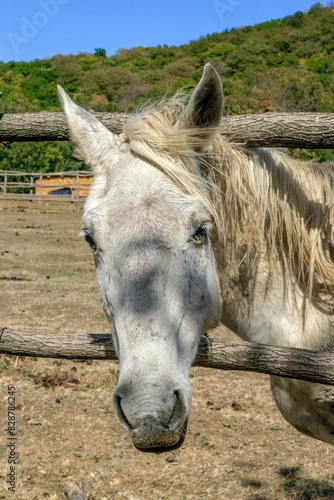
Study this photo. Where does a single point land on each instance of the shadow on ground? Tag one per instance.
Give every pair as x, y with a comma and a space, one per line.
304, 489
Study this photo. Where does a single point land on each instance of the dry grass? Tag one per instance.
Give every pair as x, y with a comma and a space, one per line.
238, 446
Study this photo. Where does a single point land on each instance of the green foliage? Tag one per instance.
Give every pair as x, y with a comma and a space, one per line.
100, 52
280, 65
39, 157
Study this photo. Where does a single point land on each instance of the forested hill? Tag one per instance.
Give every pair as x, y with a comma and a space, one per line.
281, 65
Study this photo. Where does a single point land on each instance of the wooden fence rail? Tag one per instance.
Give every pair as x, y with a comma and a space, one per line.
294, 130
284, 362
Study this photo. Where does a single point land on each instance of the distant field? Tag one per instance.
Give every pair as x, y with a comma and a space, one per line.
238, 446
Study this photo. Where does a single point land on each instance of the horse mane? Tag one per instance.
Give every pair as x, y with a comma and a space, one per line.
260, 198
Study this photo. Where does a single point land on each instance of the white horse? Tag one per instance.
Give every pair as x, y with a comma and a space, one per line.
188, 230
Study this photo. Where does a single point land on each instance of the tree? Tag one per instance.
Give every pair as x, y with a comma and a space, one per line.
100, 52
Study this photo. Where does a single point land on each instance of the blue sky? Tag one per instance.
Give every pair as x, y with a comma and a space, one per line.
31, 29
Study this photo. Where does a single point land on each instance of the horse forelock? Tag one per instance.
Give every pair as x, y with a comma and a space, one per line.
157, 135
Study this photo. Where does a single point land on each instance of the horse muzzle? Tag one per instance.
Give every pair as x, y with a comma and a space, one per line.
154, 424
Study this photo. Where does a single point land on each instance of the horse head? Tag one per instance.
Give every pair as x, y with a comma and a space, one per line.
149, 223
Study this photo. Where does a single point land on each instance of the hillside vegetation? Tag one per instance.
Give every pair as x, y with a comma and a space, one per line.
281, 65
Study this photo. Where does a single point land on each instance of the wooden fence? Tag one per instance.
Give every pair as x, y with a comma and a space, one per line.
290, 362
308, 130
67, 187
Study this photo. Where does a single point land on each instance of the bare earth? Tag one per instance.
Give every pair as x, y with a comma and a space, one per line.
238, 446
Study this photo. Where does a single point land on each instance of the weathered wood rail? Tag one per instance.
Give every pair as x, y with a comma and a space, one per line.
294, 130
301, 364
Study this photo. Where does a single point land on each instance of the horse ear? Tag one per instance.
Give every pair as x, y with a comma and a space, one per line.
93, 140
205, 108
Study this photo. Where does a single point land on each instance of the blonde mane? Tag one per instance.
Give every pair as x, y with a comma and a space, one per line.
259, 198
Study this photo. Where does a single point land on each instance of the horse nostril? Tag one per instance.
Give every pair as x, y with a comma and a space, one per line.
178, 411
120, 413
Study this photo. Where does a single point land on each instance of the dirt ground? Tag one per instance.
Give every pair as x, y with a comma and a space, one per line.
238, 446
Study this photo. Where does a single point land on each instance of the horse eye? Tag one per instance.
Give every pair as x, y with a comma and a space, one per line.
91, 242
199, 235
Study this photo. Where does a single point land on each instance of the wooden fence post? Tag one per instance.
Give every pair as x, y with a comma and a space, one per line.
5, 184
31, 191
